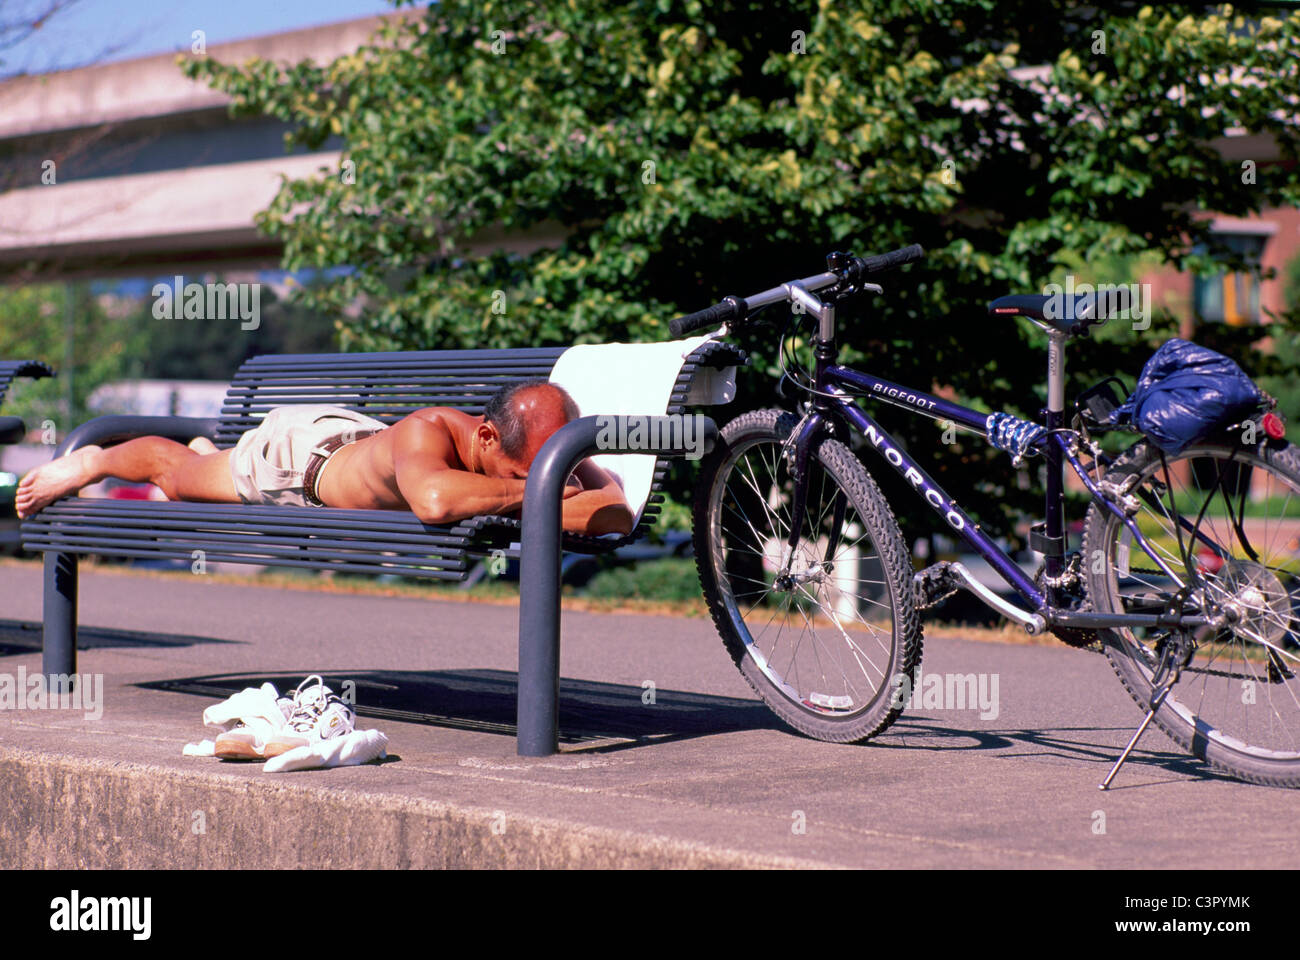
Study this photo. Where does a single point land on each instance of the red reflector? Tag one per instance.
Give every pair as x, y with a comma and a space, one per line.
1274, 426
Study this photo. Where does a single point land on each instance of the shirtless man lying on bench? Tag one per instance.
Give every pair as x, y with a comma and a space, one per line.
441, 464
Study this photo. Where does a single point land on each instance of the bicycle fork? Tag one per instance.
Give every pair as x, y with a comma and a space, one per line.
799, 459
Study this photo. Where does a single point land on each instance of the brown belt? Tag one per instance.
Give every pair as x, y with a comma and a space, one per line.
322, 452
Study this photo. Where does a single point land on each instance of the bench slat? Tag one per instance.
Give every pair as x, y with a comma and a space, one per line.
367, 385
246, 513
462, 368
256, 549
378, 567
249, 533
11, 370
481, 356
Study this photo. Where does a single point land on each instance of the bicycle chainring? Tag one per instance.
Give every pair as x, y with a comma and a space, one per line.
1076, 595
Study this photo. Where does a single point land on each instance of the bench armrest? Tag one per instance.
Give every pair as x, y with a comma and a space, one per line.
105, 431
540, 544
12, 430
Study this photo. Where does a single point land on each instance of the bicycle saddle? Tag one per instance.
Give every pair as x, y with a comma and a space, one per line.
1068, 315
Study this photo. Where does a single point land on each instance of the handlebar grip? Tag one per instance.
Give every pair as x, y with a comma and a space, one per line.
733, 308
888, 261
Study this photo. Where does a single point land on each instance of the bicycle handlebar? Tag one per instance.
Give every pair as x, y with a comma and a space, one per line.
732, 308
862, 268
855, 270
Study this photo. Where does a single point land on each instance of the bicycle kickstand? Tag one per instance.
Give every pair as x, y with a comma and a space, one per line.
1174, 655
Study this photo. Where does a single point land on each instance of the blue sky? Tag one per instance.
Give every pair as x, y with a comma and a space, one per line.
104, 30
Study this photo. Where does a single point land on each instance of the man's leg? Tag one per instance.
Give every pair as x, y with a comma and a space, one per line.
179, 471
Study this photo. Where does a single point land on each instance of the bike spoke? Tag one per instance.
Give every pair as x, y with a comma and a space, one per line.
1242, 533
801, 632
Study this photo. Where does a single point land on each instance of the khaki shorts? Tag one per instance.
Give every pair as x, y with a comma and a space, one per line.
268, 462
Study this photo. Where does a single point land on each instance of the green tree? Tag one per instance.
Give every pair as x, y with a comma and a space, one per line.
670, 152
107, 340
188, 349
116, 336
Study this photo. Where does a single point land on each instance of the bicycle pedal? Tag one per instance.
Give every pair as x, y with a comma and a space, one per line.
935, 584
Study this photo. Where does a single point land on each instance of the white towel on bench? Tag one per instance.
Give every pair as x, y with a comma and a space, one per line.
636, 379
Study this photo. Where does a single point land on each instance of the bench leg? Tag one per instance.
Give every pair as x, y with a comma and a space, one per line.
59, 654
539, 574
539, 635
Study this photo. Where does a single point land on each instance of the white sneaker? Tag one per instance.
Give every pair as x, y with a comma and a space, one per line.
245, 742
318, 714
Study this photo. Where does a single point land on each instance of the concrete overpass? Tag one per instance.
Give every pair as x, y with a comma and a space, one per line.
151, 174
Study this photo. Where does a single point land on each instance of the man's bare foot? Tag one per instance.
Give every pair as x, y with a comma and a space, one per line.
203, 445
55, 479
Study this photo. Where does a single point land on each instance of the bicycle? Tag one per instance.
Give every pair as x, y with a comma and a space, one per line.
794, 538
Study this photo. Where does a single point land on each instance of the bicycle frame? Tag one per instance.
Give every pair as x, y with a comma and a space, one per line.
1186, 608
832, 401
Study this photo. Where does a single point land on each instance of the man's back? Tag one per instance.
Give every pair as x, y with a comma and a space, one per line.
364, 475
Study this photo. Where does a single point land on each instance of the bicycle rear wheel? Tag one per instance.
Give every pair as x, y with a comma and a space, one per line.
1237, 704
833, 644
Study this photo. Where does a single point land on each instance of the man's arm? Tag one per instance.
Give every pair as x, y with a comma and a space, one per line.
446, 495
438, 493
600, 506
449, 495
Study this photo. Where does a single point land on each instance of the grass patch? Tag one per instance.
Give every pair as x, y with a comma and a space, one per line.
670, 580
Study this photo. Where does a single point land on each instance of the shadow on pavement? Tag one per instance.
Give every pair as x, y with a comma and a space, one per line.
609, 717
1058, 743
605, 716
484, 701
24, 636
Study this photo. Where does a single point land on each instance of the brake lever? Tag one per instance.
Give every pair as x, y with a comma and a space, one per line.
855, 290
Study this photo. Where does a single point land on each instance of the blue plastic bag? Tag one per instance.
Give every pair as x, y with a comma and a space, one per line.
1187, 393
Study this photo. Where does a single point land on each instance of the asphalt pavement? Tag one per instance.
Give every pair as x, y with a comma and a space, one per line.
698, 774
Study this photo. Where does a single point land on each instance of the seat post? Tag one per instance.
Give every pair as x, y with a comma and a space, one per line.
1055, 375
1055, 499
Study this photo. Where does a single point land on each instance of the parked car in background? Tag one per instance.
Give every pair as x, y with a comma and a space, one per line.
10, 544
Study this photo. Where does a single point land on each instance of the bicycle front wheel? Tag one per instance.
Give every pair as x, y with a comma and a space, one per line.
1226, 522
827, 634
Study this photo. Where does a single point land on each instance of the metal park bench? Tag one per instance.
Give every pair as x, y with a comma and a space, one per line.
12, 429
386, 386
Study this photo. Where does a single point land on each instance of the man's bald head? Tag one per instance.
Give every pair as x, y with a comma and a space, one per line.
525, 414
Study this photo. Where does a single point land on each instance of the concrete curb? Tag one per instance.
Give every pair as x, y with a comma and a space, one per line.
59, 812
